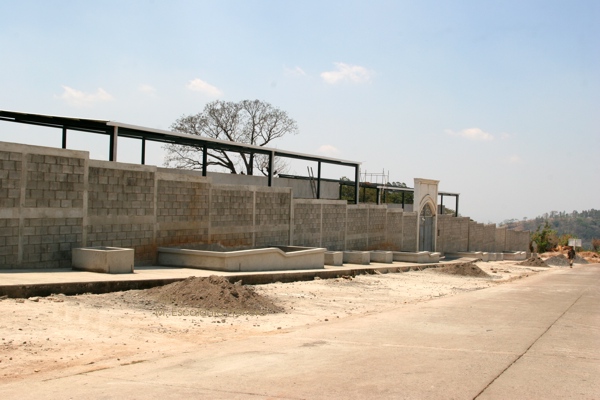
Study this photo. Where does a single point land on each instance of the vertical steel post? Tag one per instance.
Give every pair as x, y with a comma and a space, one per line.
143, 151
204, 160
64, 137
456, 212
251, 164
271, 167
319, 180
356, 183
112, 153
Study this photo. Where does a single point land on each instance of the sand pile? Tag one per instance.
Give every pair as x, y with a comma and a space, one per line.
214, 293
533, 262
558, 261
464, 269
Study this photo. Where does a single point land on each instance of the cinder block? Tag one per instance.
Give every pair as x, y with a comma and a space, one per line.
382, 256
357, 257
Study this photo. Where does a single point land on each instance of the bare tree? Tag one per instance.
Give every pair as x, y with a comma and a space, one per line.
252, 122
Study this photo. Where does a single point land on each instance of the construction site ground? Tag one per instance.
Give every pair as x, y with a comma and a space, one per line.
53, 342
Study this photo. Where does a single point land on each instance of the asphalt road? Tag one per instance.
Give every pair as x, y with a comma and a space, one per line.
536, 338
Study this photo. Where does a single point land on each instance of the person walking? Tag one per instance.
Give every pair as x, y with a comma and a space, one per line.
571, 255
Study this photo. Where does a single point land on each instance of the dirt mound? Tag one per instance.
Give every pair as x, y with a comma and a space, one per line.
464, 269
214, 293
558, 261
590, 256
580, 260
533, 262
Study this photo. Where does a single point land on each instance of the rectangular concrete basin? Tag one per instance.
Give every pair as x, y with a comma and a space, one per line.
421, 257
109, 260
280, 258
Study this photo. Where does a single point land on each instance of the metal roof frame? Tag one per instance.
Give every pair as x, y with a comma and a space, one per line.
117, 129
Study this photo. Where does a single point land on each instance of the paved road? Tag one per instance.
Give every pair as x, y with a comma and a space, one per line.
537, 338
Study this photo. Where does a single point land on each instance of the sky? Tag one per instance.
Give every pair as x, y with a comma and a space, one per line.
498, 100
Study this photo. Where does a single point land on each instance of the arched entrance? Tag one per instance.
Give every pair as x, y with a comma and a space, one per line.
426, 229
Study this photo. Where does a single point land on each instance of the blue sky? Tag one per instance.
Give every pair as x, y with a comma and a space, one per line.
499, 100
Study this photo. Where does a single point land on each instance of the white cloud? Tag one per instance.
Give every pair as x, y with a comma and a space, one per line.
472, 134
78, 98
328, 150
347, 73
514, 159
296, 71
505, 136
147, 89
198, 85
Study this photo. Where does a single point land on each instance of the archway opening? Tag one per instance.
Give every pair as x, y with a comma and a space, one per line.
426, 229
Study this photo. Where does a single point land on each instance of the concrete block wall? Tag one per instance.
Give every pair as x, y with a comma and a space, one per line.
272, 213
489, 238
394, 229
517, 241
459, 234
475, 236
42, 205
308, 223
335, 223
319, 223
409, 231
121, 208
52, 207
182, 208
53, 200
337, 226
231, 216
377, 226
500, 239
357, 230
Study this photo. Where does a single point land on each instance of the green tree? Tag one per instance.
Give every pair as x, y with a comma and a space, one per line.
395, 196
544, 238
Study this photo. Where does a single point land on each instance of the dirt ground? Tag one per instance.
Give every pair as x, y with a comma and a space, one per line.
59, 335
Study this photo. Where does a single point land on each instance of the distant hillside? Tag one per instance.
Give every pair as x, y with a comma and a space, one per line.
584, 225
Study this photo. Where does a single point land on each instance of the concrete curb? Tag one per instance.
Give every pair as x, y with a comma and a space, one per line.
259, 278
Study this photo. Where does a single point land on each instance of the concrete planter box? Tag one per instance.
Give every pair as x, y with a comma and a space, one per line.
277, 258
381, 256
335, 258
357, 257
109, 260
421, 257
515, 256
